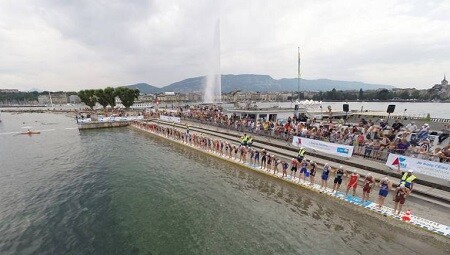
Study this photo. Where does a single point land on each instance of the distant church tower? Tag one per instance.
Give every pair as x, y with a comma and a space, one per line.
444, 82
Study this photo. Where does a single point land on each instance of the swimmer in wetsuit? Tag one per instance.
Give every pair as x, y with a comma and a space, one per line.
312, 173
269, 162
325, 175
352, 182
284, 166
256, 158
338, 179
303, 170
399, 198
385, 186
369, 181
263, 159
294, 164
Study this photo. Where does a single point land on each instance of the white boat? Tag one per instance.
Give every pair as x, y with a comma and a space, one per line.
300, 109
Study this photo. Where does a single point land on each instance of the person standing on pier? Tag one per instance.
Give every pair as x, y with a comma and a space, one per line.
407, 178
399, 198
263, 159
256, 158
338, 179
312, 173
369, 181
294, 164
284, 167
385, 186
352, 183
303, 170
325, 175
301, 154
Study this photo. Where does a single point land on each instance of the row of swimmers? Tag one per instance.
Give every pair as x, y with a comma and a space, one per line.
307, 169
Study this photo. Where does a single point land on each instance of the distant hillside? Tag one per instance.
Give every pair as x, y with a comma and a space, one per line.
263, 83
187, 85
145, 88
326, 85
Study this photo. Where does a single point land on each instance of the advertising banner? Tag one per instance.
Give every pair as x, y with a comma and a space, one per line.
169, 118
325, 147
420, 166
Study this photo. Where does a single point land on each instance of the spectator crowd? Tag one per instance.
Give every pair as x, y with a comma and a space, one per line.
373, 140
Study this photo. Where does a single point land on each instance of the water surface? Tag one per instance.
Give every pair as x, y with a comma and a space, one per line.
121, 191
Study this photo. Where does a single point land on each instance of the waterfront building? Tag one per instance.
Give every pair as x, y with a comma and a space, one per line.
9, 91
442, 90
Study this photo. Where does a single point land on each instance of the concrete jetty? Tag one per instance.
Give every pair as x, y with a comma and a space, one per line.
418, 221
97, 125
425, 193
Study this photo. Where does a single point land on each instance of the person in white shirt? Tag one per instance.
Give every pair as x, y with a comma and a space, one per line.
411, 127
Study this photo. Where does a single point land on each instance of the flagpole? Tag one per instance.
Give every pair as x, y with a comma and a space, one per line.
298, 76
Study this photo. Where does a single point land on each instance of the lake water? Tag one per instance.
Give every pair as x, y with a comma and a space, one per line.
121, 191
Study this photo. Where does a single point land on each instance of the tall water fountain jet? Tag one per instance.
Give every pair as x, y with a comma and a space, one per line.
213, 86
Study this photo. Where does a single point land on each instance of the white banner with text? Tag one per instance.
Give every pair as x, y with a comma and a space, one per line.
420, 166
169, 118
330, 148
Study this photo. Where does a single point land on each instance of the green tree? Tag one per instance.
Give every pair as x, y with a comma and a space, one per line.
101, 97
127, 96
415, 94
361, 94
88, 97
110, 94
404, 95
384, 94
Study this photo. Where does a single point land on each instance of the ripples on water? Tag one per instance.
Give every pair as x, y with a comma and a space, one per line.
124, 192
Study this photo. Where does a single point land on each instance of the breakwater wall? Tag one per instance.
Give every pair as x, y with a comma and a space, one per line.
97, 125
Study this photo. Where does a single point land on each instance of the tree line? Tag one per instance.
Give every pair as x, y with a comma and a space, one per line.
382, 94
108, 96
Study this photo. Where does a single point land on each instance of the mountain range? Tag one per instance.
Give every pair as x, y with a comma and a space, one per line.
261, 83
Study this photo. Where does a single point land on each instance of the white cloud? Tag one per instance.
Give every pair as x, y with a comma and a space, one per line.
81, 44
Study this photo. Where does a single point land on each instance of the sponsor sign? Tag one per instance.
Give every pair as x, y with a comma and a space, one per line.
420, 166
169, 118
325, 147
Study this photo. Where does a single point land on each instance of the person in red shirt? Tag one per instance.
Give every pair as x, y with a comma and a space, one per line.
352, 182
369, 181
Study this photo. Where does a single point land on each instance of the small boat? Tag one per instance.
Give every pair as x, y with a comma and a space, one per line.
30, 133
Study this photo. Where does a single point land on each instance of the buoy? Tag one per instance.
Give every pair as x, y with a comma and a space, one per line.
407, 216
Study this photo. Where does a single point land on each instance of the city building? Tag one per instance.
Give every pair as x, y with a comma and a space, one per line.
9, 91
441, 90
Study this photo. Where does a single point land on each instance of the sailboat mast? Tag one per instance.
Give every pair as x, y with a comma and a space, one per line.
51, 101
298, 76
